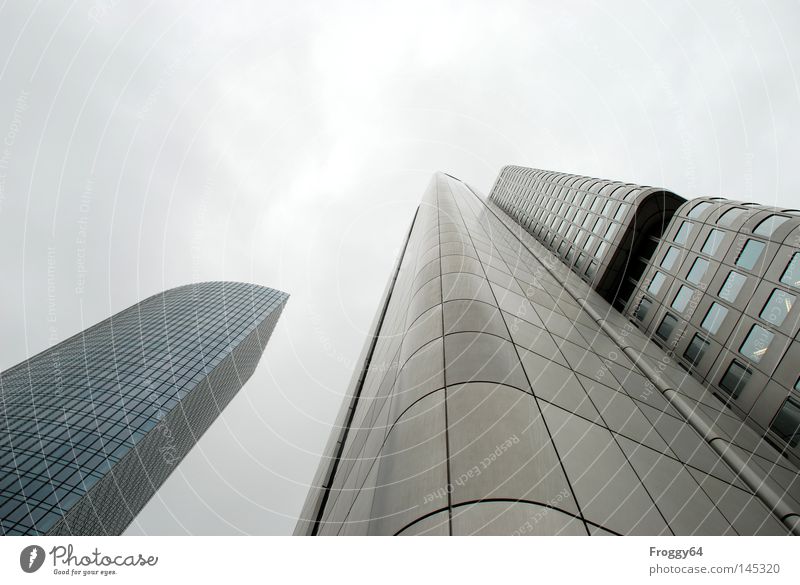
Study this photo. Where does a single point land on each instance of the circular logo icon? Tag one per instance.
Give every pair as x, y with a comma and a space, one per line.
31, 558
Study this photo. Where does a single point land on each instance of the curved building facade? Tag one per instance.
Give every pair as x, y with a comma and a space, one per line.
92, 427
500, 393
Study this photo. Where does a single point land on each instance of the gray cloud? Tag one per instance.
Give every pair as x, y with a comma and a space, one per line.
288, 144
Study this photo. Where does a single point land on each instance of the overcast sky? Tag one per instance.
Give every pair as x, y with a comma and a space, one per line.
147, 145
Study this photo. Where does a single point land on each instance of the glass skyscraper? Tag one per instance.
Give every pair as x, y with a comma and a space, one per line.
506, 386
90, 428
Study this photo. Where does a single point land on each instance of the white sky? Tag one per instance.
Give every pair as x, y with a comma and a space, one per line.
289, 144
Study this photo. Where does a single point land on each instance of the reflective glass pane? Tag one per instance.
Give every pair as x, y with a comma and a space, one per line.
769, 225
733, 284
791, 275
683, 233
777, 307
712, 242
655, 284
750, 254
698, 271
643, 308
667, 326
730, 216
698, 209
669, 258
714, 318
682, 298
787, 422
697, 347
757, 343
735, 379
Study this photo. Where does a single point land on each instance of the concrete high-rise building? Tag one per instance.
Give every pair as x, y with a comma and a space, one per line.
507, 388
91, 428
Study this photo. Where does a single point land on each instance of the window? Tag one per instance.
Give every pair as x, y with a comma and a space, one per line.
667, 326
682, 299
698, 271
791, 275
643, 308
777, 307
683, 232
698, 209
590, 241
621, 210
769, 225
591, 270
655, 284
735, 379
713, 241
696, 349
601, 249
733, 284
787, 422
730, 216
714, 318
669, 258
611, 230
750, 254
756, 344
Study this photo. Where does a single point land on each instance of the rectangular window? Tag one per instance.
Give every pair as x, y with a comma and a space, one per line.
791, 275
757, 343
667, 326
787, 422
683, 232
698, 271
643, 308
601, 249
769, 225
735, 379
621, 210
655, 284
712, 242
733, 284
612, 229
714, 318
698, 209
696, 349
681, 300
777, 307
669, 258
730, 216
750, 254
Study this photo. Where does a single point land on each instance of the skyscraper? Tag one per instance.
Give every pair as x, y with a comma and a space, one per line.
92, 427
504, 390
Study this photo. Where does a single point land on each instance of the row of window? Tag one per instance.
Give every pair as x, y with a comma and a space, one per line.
765, 227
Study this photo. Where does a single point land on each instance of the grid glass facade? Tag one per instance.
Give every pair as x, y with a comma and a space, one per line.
499, 393
90, 428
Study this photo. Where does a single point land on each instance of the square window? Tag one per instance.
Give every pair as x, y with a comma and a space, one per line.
698, 271
735, 379
643, 308
732, 286
712, 242
769, 225
669, 258
696, 349
791, 275
787, 422
683, 232
682, 299
714, 318
757, 343
750, 254
777, 307
667, 326
655, 284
